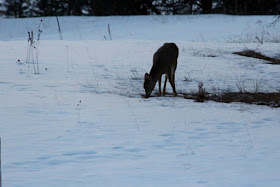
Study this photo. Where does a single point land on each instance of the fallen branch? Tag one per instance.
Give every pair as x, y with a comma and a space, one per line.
254, 54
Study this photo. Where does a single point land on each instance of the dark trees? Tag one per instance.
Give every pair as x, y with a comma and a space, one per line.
27, 8
17, 8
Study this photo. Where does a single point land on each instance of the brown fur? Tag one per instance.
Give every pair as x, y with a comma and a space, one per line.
164, 62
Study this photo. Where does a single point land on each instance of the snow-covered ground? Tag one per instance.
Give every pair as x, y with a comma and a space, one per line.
82, 121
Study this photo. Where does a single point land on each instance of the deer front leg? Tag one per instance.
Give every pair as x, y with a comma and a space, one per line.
164, 86
159, 86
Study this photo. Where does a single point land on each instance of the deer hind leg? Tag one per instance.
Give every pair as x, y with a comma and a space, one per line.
164, 86
171, 77
174, 87
159, 86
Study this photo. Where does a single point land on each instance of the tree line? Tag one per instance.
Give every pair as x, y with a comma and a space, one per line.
34, 8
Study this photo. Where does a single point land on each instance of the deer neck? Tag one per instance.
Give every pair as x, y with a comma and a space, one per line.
155, 73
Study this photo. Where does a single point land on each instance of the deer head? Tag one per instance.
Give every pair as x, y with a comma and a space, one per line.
149, 84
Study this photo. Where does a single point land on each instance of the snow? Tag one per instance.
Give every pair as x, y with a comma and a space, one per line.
176, 28
82, 121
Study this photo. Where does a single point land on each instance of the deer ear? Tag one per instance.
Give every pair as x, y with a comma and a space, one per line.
146, 76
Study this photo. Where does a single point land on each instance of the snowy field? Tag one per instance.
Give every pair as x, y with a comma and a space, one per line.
82, 121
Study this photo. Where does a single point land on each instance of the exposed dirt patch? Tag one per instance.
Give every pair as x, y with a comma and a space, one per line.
267, 99
254, 54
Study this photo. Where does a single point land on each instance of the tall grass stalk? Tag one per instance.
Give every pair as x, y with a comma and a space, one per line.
32, 56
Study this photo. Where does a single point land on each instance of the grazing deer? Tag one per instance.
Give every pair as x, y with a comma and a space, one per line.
164, 62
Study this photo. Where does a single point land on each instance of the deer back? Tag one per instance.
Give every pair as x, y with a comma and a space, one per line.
165, 59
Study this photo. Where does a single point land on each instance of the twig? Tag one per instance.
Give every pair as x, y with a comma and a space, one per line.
33, 49
59, 30
133, 114
203, 39
275, 21
79, 111
67, 58
37, 47
92, 69
109, 31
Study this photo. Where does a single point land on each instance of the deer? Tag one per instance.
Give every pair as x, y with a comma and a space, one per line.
164, 62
